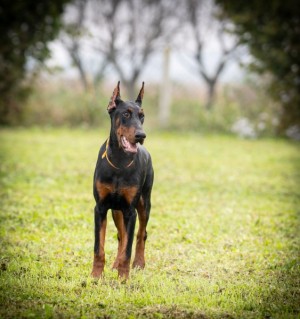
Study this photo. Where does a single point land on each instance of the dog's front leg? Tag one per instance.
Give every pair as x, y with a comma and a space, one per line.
124, 258
143, 214
100, 230
119, 223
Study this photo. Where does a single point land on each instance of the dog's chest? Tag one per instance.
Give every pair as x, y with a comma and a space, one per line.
115, 194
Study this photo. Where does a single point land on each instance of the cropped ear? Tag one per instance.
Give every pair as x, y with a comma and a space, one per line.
139, 99
115, 98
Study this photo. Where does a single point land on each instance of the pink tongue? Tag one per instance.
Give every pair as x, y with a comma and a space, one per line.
128, 146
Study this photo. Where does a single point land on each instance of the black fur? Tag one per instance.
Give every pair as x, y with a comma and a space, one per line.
123, 181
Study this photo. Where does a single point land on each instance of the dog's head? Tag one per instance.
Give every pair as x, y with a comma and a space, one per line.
127, 120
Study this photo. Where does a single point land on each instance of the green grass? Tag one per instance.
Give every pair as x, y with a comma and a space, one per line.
223, 233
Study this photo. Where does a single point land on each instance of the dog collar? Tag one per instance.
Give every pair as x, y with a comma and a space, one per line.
108, 160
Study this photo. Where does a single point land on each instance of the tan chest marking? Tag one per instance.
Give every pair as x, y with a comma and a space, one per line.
104, 190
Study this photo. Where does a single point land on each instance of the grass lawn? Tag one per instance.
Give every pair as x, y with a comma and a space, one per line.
223, 236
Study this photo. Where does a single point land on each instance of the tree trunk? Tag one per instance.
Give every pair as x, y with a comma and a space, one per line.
165, 91
83, 78
130, 88
211, 95
78, 64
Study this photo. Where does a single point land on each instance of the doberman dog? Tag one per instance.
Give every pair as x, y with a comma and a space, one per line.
123, 182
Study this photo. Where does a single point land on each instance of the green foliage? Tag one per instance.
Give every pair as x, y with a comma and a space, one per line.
271, 30
26, 28
66, 105
223, 237
60, 105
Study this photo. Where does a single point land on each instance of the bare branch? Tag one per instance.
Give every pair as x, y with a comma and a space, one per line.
197, 12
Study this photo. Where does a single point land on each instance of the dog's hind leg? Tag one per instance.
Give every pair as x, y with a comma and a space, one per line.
124, 265
100, 230
125, 226
125, 223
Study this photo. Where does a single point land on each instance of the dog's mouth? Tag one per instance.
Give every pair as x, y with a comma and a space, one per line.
127, 146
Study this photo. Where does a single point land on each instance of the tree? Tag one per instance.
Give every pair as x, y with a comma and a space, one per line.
76, 37
134, 30
204, 26
26, 28
271, 30
122, 33
71, 37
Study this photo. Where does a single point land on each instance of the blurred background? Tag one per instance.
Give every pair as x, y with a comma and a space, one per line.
216, 66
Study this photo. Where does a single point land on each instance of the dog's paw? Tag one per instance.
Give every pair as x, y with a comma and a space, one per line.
138, 263
115, 264
96, 273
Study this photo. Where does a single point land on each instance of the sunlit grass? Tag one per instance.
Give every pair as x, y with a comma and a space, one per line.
223, 233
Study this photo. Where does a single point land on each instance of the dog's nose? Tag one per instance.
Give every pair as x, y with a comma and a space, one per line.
140, 136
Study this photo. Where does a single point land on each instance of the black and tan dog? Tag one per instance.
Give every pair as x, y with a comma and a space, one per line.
122, 182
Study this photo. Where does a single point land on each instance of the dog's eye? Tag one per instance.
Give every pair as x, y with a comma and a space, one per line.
127, 115
142, 117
